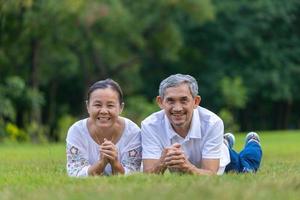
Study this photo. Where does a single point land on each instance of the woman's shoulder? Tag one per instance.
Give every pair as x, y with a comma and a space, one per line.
131, 127
78, 129
131, 134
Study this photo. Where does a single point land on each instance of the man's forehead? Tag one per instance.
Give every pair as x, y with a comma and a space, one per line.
179, 91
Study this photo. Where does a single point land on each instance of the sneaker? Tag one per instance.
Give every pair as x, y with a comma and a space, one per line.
252, 136
229, 140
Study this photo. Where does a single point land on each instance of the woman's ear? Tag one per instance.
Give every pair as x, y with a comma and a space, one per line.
121, 107
87, 105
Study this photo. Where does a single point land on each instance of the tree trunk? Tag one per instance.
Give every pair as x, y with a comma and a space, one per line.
52, 110
35, 113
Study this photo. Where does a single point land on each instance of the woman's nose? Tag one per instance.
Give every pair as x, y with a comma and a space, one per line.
103, 110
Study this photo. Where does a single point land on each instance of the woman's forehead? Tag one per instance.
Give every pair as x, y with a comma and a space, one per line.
104, 93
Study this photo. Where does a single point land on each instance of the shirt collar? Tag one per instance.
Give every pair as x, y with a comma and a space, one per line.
169, 129
195, 128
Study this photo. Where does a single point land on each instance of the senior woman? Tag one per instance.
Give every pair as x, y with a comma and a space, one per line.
104, 143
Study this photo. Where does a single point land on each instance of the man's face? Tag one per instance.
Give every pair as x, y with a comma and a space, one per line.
179, 104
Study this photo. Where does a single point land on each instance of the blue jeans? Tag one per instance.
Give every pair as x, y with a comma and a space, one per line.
248, 160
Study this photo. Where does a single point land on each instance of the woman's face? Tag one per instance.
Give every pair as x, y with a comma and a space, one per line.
104, 107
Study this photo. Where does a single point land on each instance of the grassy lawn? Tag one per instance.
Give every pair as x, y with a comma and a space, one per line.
38, 172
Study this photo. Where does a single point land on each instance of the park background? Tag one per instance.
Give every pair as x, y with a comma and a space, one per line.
245, 55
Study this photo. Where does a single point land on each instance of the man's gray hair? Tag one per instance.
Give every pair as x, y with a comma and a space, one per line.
176, 80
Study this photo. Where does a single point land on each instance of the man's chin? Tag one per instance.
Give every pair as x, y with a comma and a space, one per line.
178, 123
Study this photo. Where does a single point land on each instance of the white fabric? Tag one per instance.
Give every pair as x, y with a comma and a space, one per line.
83, 151
203, 141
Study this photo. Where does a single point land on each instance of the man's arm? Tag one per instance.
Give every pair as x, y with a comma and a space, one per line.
156, 166
176, 159
208, 167
153, 166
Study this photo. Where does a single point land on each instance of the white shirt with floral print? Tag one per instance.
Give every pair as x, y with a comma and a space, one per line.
82, 151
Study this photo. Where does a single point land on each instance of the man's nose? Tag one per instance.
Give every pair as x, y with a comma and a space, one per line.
177, 107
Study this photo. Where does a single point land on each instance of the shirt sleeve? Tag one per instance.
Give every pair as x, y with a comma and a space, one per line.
212, 148
132, 160
131, 149
152, 147
77, 165
77, 161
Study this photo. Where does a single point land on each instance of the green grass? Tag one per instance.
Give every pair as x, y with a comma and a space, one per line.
38, 172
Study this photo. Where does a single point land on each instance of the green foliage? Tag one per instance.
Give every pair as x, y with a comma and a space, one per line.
9, 92
59, 47
64, 124
230, 124
6, 109
14, 95
37, 132
235, 97
15, 134
14, 87
137, 108
34, 98
234, 92
2, 130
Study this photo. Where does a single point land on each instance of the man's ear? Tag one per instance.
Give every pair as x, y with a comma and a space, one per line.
197, 101
159, 102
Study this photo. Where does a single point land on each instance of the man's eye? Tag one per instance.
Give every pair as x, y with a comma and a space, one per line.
170, 101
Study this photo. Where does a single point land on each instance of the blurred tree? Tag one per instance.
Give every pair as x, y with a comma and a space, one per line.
138, 108
258, 41
61, 46
234, 94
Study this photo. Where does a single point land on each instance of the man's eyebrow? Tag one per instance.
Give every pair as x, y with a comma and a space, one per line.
169, 98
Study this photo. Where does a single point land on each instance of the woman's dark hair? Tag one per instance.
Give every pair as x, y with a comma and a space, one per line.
107, 83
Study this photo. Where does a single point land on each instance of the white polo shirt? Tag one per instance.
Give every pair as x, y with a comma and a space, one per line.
204, 139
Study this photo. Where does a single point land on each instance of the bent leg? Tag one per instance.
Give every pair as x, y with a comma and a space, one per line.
250, 157
234, 165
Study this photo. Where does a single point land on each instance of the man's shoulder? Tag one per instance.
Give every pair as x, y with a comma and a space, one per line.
208, 116
154, 119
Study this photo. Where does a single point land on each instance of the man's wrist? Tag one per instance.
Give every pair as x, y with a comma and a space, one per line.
191, 169
161, 166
